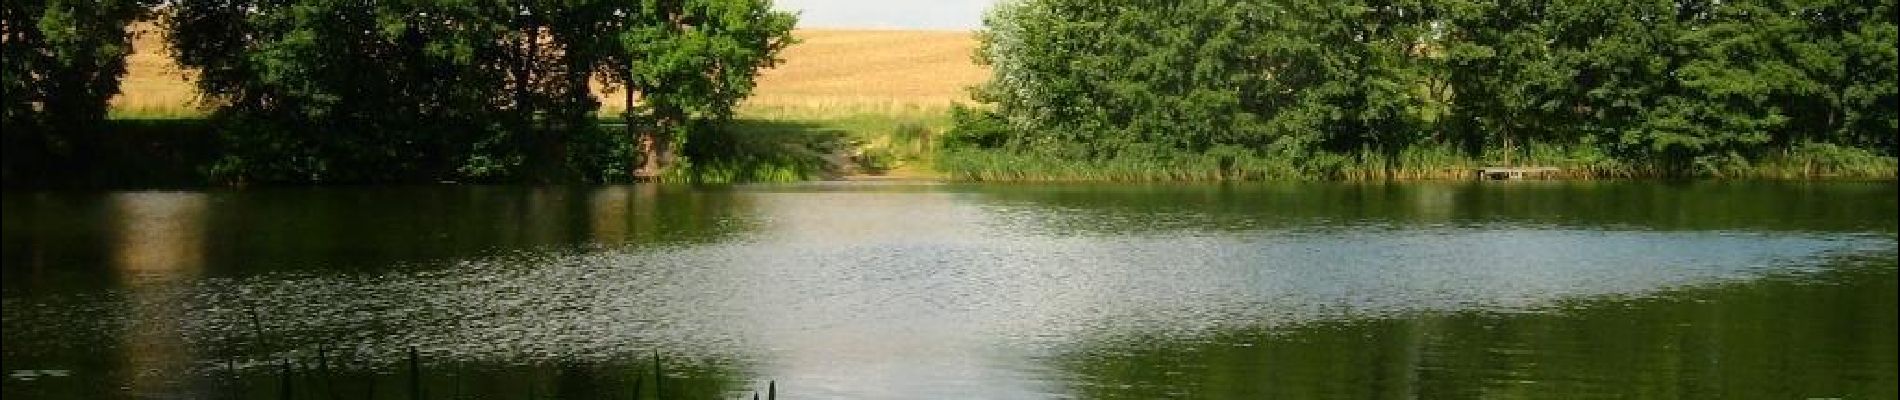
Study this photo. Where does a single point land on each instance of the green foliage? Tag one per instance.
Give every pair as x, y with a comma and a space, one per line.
699, 57
484, 90
60, 61
759, 151
343, 91
974, 128
1081, 79
1625, 87
691, 61
833, 141
875, 160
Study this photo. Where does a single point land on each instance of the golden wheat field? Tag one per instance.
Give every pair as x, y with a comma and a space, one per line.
153, 84
827, 72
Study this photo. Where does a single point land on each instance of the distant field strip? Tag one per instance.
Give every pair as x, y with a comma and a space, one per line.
872, 67
153, 84
829, 72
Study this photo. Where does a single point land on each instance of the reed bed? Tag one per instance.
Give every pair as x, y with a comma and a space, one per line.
321, 374
1416, 163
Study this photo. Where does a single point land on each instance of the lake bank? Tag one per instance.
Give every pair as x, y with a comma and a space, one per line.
1429, 164
820, 115
905, 141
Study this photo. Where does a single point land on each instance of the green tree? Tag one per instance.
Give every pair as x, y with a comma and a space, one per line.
1349, 73
1844, 68
1087, 80
1704, 87
689, 63
347, 91
341, 91
60, 61
1509, 87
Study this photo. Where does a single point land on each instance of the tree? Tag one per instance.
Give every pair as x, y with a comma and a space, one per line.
1083, 79
1672, 86
689, 63
1844, 55
62, 60
1090, 80
347, 91
1509, 87
1349, 72
336, 90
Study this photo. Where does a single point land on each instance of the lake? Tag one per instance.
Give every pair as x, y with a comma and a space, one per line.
920, 290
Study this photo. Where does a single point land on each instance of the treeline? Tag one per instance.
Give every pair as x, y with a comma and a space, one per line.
1253, 89
337, 91
60, 61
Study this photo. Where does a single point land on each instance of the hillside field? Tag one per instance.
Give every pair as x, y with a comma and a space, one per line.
829, 73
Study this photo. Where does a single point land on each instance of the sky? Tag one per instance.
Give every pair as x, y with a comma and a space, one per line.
889, 14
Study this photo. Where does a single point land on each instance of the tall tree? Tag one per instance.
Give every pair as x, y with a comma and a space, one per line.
338, 90
1682, 86
1082, 79
1509, 89
61, 61
345, 91
691, 62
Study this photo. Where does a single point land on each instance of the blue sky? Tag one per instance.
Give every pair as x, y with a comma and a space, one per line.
889, 14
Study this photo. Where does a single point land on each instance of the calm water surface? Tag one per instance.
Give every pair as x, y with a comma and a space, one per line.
835, 290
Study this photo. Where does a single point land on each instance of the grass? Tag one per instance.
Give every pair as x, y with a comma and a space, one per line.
294, 375
154, 87
780, 144
1416, 163
888, 140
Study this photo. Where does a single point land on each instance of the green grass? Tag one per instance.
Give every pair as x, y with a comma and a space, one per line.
155, 113
763, 144
786, 144
1415, 163
1817, 161
781, 144
748, 150
776, 144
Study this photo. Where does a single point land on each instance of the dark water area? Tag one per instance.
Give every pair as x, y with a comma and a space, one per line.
915, 290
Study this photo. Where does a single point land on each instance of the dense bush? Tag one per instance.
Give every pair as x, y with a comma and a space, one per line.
1661, 87
60, 61
348, 91
974, 128
322, 91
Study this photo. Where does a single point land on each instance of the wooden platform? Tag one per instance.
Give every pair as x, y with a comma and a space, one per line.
1514, 173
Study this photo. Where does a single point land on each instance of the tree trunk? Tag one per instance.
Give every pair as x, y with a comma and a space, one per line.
644, 171
649, 169
656, 146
